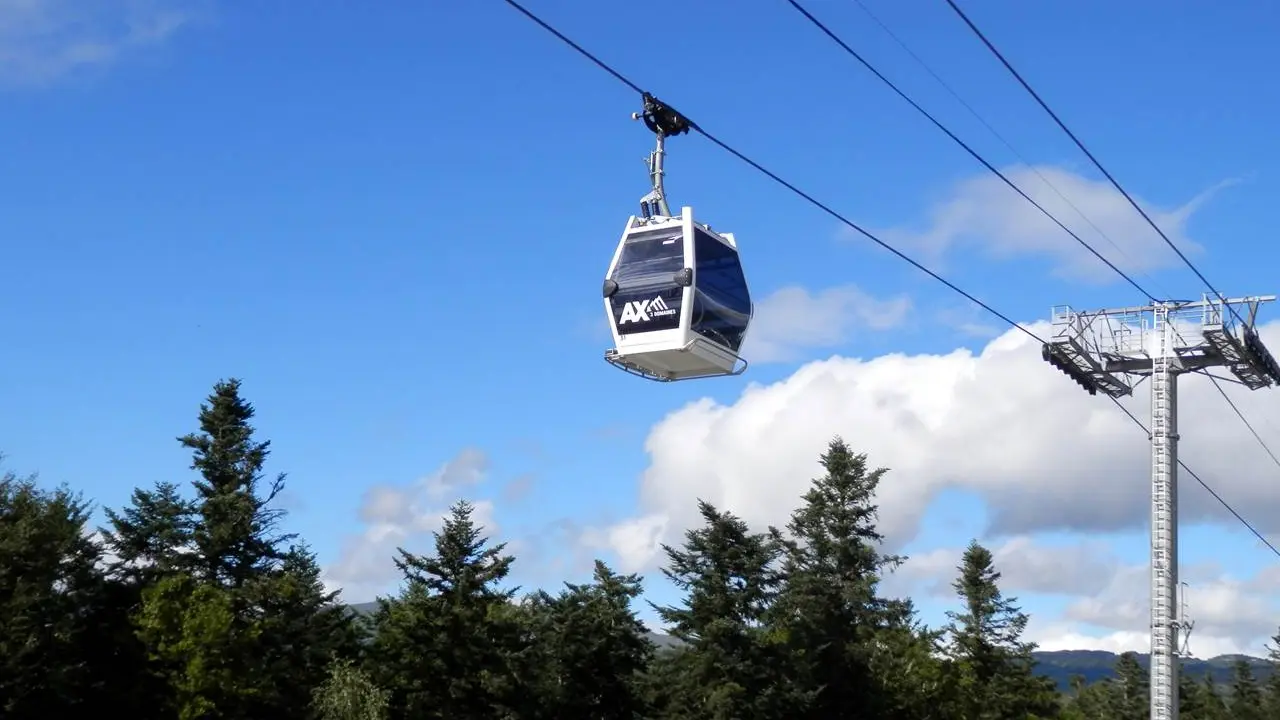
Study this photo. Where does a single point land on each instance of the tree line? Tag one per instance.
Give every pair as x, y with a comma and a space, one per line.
193, 603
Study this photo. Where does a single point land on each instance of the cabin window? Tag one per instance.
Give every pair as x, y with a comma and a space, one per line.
650, 259
648, 298
721, 303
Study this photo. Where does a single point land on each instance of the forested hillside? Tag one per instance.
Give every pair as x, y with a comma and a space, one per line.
193, 602
1061, 666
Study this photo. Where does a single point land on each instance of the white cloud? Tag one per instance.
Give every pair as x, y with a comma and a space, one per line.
792, 319
467, 469
636, 540
984, 212
1230, 615
1002, 424
405, 516
1026, 566
1110, 608
44, 40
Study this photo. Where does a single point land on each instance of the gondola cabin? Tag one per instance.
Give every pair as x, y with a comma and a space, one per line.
677, 300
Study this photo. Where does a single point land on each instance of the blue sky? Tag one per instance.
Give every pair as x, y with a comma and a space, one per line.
391, 222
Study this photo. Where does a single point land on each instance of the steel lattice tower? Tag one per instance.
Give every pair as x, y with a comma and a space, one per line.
1112, 351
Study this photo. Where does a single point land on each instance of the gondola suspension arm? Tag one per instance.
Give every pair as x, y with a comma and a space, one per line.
662, 120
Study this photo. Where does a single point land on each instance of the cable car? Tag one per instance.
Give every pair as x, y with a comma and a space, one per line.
675, 294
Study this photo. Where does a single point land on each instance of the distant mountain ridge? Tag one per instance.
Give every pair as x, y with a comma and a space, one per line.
1060, 665
1096, 665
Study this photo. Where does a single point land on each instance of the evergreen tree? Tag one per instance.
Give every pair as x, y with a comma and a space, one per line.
851, 647
1088, 701
595, 650
149, 540
303, 630
152, 536
1200, 699
50, 589
911, 680
1215, 705
1190, 700
661, 681
994, 670
1246, 696
123, 677
234, 620
235, 531
734, 667
1273, 679
1131, 699
446, 647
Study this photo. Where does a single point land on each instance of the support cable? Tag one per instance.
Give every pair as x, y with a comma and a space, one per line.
965, 146
1120, 188
1008, 145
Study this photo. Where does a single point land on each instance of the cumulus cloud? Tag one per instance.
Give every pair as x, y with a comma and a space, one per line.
1000, 423
1227, 611
1026, 565
44, 40
792, 320
405, 516
1109, 608
1229, 615
983, 212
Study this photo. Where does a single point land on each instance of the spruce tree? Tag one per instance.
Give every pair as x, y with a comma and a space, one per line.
1086, 701
446, 646
1273, 678
994, 671
234, 619
594, 650
850, 646
911, 680
1215, 704
1200, 699
1246, 696
1190, 700
1132, 684
304, 629
734, 666
152, 536
235, 533
148, 541
50, 590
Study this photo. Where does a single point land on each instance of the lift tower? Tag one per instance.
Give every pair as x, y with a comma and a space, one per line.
1112, 351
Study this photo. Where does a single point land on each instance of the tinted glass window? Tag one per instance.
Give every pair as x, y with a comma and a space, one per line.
722, 302
650, 259
719, 273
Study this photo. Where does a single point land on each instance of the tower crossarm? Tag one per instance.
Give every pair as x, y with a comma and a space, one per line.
1244, 354
1067, 354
